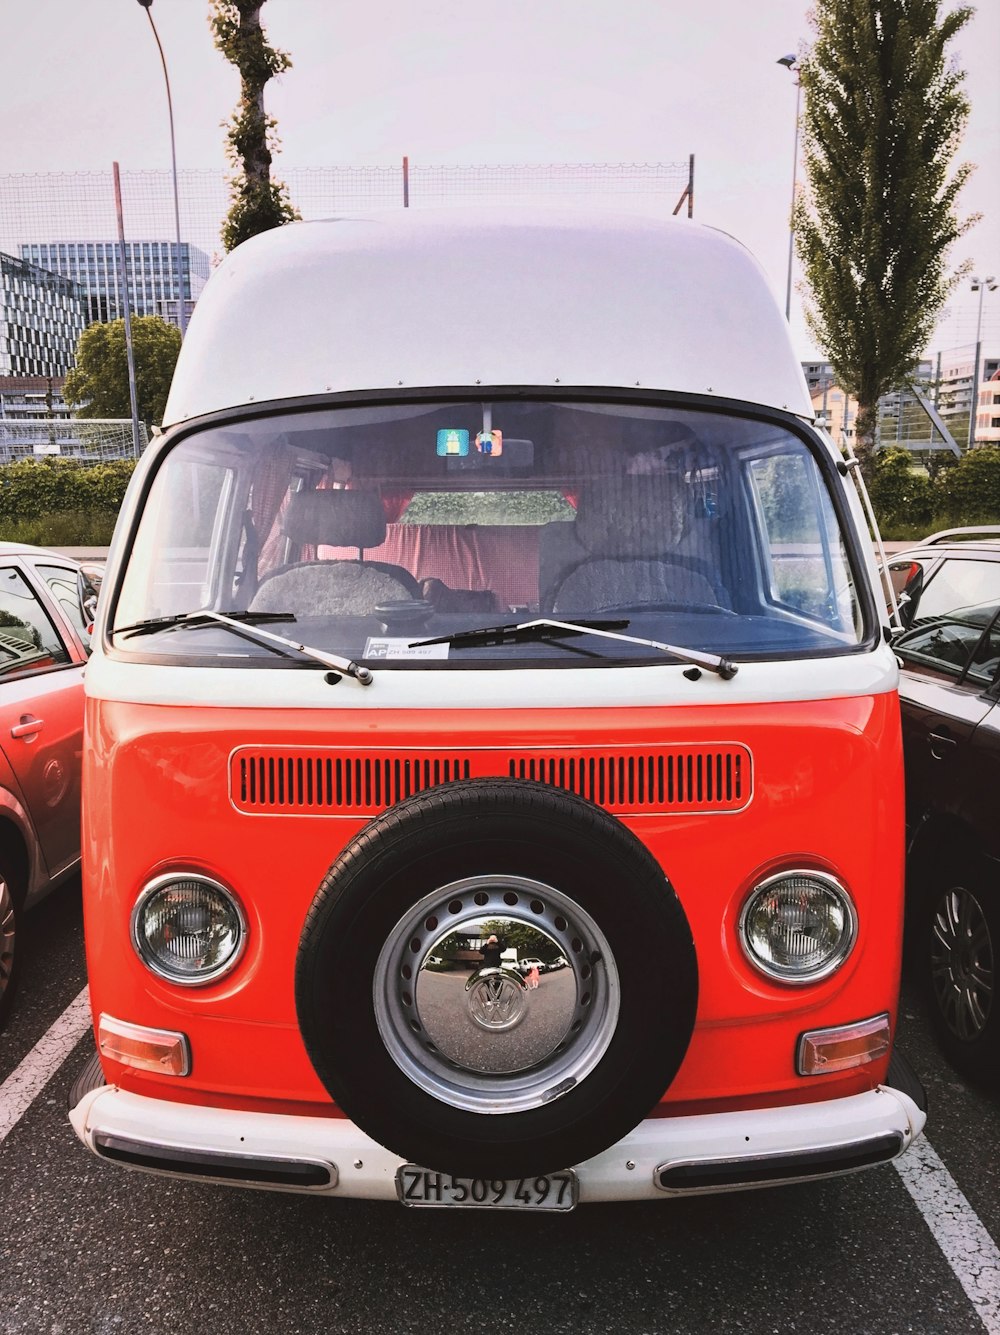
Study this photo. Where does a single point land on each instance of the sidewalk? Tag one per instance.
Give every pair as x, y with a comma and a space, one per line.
84, 553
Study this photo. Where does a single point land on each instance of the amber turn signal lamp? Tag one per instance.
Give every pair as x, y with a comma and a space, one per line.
823, 1051
159, 1050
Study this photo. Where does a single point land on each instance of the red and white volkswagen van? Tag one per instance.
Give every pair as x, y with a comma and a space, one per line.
493, 776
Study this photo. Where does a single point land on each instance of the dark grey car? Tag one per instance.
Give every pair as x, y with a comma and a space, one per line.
46, 604
950, 697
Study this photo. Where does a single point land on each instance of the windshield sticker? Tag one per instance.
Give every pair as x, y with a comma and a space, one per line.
399, 647
452, 441
490, 442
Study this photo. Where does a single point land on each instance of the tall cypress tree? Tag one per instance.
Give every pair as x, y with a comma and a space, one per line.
883, 112
258, 202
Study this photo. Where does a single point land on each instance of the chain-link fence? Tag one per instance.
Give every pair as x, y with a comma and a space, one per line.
69, 207
67, 223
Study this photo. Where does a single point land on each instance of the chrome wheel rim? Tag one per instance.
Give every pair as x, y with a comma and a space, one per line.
475, 1032
8, 928
962, 963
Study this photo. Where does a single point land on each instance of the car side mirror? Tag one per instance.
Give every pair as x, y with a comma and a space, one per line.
907, 582
88, 584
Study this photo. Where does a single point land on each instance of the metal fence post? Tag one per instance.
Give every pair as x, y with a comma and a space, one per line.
126, 303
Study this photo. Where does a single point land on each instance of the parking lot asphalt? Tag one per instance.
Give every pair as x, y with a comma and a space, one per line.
86, 1246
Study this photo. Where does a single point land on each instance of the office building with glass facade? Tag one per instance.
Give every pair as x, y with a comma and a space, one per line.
42, 316
150, 266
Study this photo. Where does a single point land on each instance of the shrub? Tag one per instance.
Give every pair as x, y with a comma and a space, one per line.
900, 496
59, 497
69, 528
969, 493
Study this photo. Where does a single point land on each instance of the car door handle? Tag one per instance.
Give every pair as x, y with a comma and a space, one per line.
940, 743
27, 727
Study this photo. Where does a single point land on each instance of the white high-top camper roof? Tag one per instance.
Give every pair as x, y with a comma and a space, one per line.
495, 297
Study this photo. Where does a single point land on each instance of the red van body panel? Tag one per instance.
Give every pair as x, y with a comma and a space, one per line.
493, 760
164, 773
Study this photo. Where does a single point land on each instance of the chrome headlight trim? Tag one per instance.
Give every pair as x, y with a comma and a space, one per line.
838, 955
153, 962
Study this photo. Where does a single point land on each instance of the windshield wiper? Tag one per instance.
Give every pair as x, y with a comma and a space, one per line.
525, 630
546, 628
244, 623
193, 618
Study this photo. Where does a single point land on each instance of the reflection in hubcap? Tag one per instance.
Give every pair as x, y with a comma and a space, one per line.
496, 994
497, 998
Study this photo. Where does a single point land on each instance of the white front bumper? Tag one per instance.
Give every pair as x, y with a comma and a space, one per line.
755, 1148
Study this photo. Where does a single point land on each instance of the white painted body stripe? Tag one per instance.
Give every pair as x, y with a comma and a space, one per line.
365, 1169
26, 1081
957, 1229
532, 688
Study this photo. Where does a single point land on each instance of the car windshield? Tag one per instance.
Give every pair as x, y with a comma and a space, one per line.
368, 530
965, 640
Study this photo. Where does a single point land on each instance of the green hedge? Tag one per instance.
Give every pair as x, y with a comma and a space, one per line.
971, 490
61, 502
901, 497
34, 487
910, 503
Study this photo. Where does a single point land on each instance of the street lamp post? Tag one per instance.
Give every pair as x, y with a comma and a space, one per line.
791, 63
980, 285
181, 319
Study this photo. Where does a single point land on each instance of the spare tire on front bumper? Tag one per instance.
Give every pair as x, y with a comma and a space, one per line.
455, 1062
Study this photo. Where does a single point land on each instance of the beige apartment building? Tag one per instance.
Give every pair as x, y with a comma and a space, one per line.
988, 406
836, 410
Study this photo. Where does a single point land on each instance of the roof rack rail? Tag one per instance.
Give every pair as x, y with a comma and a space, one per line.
962, 534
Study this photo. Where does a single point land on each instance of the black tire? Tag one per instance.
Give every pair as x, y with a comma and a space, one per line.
958, 937
486, 832
11, 926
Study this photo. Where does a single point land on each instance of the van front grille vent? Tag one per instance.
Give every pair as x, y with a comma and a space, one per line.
320, 781
666, 780
326, 780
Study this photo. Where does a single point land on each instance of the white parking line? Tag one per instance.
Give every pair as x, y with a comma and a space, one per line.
26, 1082
957, 1229
968, 1248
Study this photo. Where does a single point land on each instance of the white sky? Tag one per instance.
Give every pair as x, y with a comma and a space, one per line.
475, 81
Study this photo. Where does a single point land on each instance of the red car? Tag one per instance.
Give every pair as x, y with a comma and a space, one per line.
46, 605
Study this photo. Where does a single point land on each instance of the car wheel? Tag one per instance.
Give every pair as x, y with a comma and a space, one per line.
10, 951
469, 1070
960, 945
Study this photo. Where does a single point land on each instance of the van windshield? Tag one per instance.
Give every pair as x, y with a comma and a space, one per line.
365, 531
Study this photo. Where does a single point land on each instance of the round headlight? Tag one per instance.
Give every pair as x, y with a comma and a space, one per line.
188, 929
798, 926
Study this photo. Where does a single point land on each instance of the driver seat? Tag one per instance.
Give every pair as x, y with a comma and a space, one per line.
334, 518
628, 525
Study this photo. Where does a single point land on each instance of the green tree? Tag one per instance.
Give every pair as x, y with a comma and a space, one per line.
883, 112
97, 386
258, 203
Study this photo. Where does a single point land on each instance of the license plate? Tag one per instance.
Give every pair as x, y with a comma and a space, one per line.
422, 1186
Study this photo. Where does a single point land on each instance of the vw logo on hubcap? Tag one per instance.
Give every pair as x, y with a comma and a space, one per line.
496, 1000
